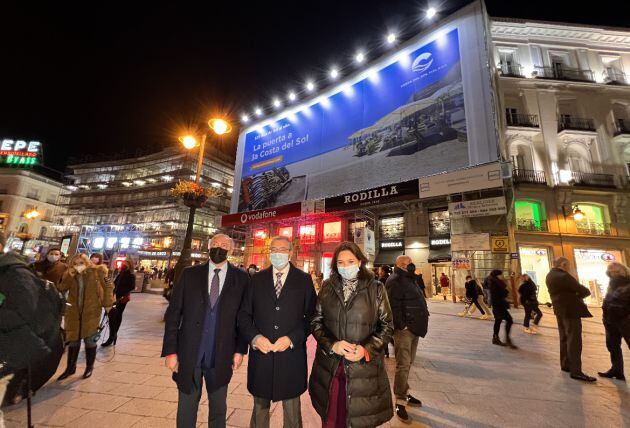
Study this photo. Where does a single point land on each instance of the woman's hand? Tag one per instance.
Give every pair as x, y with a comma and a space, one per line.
357, 355
343, 348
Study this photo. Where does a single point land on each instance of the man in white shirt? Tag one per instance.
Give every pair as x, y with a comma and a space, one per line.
274, 319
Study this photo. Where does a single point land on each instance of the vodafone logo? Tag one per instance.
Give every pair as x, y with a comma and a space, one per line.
260, 215
422, 62
244, 218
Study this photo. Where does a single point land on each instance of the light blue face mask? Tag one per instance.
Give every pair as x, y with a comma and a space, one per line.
279, 260
349, 272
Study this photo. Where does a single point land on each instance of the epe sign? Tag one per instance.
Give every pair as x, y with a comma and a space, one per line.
19, 152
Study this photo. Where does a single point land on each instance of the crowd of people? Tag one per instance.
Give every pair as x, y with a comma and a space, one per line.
218, 312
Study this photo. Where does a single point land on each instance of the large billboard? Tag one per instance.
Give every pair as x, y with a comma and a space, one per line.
398, 121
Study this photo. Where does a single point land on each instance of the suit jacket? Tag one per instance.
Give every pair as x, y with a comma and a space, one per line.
184, 323
409, 307
567, 294
282, 375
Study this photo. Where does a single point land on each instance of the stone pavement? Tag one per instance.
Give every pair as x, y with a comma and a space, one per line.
463, 380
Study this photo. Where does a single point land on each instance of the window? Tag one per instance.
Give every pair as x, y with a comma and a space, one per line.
594, 220
530, 216
332, 231
286, 231
392, 227
307, 233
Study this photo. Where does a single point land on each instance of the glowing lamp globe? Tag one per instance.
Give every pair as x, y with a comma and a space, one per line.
219, 126
188, 141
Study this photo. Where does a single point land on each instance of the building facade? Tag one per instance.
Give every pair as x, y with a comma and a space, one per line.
25, 191
124, 207
564, 99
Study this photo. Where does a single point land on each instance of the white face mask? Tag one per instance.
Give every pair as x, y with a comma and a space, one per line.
52, 258
80, 268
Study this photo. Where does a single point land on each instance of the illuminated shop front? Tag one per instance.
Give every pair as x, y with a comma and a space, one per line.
536, 262
591, 269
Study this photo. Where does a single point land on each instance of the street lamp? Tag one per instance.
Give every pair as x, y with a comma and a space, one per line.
29, 215
219, 127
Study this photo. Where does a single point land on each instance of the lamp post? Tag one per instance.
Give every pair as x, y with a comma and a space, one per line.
219, 127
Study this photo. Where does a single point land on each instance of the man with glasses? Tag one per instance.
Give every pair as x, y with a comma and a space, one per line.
201, 341
274, 319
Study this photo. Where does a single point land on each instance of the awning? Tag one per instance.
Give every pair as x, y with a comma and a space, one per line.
440, 254
387, 257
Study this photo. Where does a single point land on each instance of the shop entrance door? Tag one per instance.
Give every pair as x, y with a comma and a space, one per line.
591, 269
438, 269
325, 266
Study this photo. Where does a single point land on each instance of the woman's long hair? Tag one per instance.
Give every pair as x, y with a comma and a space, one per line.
364, 272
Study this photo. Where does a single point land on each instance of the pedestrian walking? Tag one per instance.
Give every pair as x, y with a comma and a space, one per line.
528, 292
567, 296
275, 320
445, 285
474, 293
88, 294
616, 312
500, 308
51, 268
201, 340
383, 273
411, 318
352, 325
124, 284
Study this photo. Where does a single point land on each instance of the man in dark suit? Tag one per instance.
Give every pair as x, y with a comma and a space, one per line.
201, 339
567, 297
411, 320
274, 319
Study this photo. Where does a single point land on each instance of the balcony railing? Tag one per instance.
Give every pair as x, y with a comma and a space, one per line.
622, 126
529, 225
529, 176
525, 120
564, 73
615, 77
511, 70
593, 228
575, 123
593, 180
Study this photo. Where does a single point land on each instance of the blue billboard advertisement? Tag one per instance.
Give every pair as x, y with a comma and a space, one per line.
400, 122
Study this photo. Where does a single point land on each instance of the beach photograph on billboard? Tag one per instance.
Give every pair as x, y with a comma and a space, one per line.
400, 122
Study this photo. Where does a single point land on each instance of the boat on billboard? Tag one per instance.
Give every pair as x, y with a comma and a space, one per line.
400, 122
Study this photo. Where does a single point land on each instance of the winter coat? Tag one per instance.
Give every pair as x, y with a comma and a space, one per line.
528, 293
616, 307
52, 272
97, 295
499, 293
472, 290
367, 320
567, 295
409, 307
278, 375
124, 283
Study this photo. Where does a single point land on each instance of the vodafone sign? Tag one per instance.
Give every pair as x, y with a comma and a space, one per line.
262, 216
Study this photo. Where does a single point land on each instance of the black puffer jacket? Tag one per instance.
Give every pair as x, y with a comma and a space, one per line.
616, 305
409, 307
528, 292
367, 320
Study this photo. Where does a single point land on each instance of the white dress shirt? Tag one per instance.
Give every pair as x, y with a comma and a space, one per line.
222, 275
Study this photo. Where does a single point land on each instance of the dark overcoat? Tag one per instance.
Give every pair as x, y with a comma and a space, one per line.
184, 324
278, 375
567, 294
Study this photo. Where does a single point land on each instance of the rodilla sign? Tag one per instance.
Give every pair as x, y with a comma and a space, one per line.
20, 152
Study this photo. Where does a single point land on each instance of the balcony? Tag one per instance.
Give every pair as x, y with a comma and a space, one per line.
615, 77
529, 176
564, 73
577, 178
569, 123
523, 120
588, 228
510, 70
530, 225
622, 127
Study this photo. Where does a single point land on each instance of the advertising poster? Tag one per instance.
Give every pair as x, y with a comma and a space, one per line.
401, 122
477, 208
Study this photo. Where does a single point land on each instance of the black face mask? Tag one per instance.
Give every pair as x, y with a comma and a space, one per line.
411, 268
218, 254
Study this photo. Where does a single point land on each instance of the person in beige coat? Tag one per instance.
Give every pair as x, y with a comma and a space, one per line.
88, 294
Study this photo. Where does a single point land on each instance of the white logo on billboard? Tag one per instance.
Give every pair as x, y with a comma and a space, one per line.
244, 218
422, 62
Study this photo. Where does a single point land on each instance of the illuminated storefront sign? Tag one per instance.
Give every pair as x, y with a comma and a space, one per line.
20, 152
381, 195
332, 231
307, 233
262, 216
395, 244
260, 236
286, 231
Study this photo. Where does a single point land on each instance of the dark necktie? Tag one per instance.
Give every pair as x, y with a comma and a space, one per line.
214, 288
278, 284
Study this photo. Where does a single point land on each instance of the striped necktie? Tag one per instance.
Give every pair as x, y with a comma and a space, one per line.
214, 288
278, 284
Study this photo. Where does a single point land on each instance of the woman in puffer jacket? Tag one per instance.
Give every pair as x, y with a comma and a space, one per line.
352, 325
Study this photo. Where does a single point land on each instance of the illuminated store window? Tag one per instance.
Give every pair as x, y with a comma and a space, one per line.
260, 235
392, 227
307, 234
286, 231
332, 232
594, 220
530, 216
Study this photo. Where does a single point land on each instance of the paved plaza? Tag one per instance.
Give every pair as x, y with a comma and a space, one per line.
462, 379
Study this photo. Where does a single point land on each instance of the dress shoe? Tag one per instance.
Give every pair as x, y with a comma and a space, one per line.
413, 401
497, 341
402, 414
583, 378
509, 344
611, 375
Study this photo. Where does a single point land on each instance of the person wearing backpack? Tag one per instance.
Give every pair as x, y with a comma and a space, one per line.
411, 318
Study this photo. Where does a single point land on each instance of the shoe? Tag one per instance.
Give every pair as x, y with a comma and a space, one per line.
497, 341
109, 342
71, 368
528, 330
483, 317
402, 414
565, 370
90, 357
413, 401
534, 329
611, 375
509, 344
461, 314
584, 378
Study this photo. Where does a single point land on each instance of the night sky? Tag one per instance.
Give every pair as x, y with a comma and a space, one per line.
96, 78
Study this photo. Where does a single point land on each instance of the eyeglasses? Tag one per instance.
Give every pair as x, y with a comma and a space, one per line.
279, 250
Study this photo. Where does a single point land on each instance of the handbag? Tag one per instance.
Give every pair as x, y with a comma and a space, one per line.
125, 299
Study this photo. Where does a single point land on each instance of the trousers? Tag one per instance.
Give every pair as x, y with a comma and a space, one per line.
501, 314
529, 308
478, 304
615, 332
291, 413
570, 330
405, 347
188, 404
